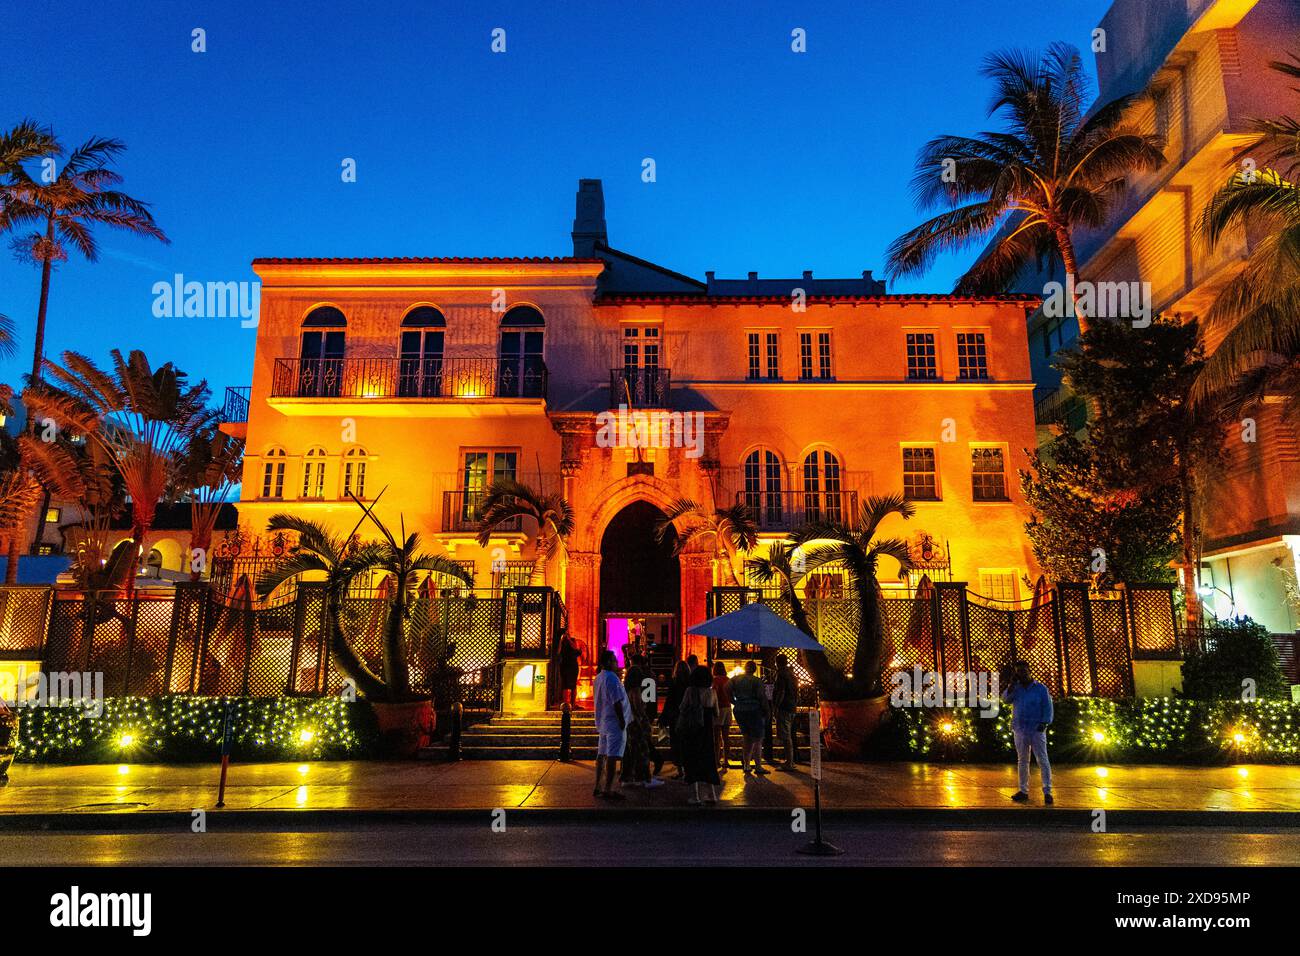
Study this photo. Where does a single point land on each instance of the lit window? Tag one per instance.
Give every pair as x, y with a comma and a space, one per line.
988, 474
822, 500
823, 355
763, 486
920, 478
972, 357
313, 474
755, 355
483, 469
273, 474
53, 515
354, 473
999, 584
814, 355
922, 362
772, 351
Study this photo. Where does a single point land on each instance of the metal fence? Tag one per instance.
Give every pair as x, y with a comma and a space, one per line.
198, 640
1077, 642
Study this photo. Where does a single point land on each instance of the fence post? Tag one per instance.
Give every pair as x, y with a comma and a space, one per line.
132, 620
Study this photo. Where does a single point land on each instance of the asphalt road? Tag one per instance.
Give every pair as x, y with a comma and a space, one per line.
677, 843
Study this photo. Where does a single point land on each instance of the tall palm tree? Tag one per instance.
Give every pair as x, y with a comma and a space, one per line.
24, 142
1258, 312
144, 418
551, 515
399, 560
857, 549
66, 211
1053, 167
731, 531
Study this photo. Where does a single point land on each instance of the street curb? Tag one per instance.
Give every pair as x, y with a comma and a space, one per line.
290, 820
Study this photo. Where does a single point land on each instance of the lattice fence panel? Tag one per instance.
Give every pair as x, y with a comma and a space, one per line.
271, 653
224, 658
187, 621
310, 675
990, 637
909, 634
24, 616
952, 644
150, 632
108, 648
65, 648
1152, 622
1035, 642
1110, 647
1074, 603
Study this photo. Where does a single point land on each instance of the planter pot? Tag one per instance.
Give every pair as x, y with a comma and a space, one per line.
8, 744
848, 724
405, 727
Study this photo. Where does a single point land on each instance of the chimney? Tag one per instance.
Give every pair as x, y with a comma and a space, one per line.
589, 219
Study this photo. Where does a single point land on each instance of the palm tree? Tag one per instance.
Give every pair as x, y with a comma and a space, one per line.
207, 471
144, 418
1258, 311
399, 561
552, 515
857, 549
1052, 168
24, 142
731, 531
79, 198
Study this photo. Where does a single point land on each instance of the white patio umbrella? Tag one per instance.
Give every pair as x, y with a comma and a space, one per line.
756, 624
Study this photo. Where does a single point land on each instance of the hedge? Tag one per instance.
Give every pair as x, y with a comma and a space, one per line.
1094, 730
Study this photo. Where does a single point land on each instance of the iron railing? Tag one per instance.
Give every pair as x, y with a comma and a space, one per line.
463, 510
448, 379
787, 510
640, 387
235, 408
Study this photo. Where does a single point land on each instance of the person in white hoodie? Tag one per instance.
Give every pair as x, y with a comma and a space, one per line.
612, 712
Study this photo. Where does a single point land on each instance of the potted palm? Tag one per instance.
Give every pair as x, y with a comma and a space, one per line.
406, 719
852, 703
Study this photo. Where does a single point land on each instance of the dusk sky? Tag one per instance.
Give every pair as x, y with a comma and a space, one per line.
766, 160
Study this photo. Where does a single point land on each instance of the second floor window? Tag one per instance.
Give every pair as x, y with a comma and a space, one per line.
922, 361
640, 346
972, 356
354, 473
988, 474
764, 355
483, 468
313, 473
821, 487
273, 474
920, 477
763, 486
814, 355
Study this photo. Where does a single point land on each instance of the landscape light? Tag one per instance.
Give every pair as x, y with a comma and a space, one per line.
1098, 737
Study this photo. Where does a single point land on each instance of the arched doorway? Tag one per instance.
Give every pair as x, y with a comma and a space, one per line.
640, 583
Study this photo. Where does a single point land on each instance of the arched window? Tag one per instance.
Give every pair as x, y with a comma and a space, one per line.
419, 370
521, 373
313, 473
822, 500
354, 473
763, 487
273, 474
320, 353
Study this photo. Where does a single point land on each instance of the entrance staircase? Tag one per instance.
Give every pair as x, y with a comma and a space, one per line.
537, 737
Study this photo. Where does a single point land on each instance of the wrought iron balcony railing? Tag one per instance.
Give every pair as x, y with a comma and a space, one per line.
235, 408
787, 510
640, 387
448, 379
462, 511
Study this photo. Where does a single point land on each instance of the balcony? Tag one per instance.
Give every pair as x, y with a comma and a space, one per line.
418, 381
640, 387
1060, 407
235, 408
462, 511
787, 510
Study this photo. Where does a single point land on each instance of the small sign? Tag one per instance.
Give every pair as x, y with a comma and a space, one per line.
228, 730
815, 743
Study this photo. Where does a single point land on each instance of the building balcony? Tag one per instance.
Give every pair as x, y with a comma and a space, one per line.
234, 411
787, 510
412, 383
463, 510
1060, 407
640, 387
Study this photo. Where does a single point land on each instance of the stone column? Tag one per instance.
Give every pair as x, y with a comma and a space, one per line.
584, 600
697, 579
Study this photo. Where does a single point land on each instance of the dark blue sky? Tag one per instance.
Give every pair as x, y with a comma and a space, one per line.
767, 160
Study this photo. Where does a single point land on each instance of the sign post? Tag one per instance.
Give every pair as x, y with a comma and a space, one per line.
227, 734
818, 847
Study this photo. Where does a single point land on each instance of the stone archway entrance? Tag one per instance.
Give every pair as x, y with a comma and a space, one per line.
640, 583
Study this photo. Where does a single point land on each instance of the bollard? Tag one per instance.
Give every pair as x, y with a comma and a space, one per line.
457, 719
566, 730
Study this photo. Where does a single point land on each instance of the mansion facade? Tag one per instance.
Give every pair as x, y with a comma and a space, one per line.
426, 379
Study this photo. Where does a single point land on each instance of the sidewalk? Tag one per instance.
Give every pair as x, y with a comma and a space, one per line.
54, 795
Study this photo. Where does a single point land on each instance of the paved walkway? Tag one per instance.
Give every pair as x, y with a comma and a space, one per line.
63, 791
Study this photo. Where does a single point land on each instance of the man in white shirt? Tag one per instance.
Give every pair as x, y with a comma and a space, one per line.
612, 712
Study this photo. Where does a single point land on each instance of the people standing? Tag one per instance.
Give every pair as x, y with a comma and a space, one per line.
611, 724
636, 759
695, 732
750, 707
1031, 714
722, 725
570, 665
677, 687
785, 700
